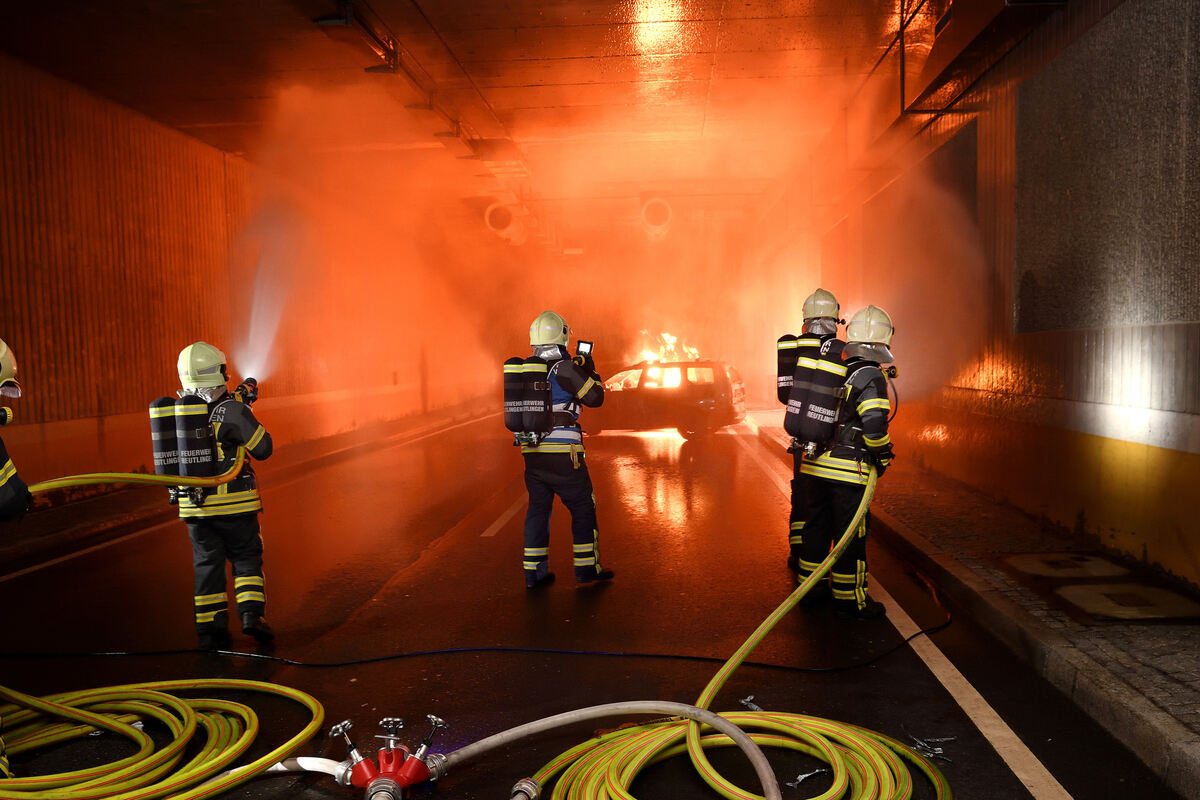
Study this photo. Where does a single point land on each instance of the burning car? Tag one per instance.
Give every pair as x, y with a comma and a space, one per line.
696, 397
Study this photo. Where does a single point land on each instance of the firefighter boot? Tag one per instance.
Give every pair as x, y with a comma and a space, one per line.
599, 577
849, 609
256, 626
214, 639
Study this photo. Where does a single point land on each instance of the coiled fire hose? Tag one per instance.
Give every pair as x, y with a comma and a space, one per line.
137, 477
229, 728
868, 764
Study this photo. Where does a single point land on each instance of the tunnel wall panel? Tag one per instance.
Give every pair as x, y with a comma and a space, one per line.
1084, 411
122, 241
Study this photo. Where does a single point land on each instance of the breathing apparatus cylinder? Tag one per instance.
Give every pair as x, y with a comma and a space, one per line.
815, 400
163, 437
514, 393
535, 409
197, 446
789, 351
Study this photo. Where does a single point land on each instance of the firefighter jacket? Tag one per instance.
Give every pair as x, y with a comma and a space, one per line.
572, 385
862, 429
14, 494
233, 424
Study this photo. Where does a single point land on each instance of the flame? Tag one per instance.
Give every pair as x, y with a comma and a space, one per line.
669, 349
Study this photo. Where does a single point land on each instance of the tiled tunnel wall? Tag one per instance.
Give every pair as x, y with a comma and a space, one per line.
121, 241
1082, 400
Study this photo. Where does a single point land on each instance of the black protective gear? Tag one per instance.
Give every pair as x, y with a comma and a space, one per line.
215, 540
254, 625
547, 475
233, 425
15, 498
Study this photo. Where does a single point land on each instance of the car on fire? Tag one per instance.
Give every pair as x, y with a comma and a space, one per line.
696, 397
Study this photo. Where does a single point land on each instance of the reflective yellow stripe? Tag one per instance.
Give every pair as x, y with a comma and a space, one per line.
584, 548
208, 616
535, 367
256, 438
533, 564
867, 405
805, 361
253, 580
797, 525
834, 473
220, 511
208, 599
551, 448
221, 499
191, 409
590, 561
7, 472
809, 566
158, 413
586, 388
514, 367
836, 369
880, 442
530, 552
244, 597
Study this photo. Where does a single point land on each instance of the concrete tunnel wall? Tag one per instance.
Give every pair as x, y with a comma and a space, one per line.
1076, 161
122, 241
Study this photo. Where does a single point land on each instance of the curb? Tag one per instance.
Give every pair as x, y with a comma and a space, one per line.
1163, 743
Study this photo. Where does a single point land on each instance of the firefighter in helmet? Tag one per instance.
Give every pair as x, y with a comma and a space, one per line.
224, 525
834, 480
555, 464
817, 345
15, 498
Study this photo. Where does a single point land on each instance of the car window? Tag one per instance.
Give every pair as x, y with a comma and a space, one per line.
734, 377
661, 378
700, 374
627, 379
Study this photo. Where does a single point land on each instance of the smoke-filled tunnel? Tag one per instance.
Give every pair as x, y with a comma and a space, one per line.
365, 205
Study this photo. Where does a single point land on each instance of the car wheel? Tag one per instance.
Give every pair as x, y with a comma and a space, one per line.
688, 433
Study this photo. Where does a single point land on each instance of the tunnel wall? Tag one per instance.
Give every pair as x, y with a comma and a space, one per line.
121, 241
1076, 163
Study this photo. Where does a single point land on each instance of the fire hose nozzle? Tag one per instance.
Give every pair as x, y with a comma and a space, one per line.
891, 371
526, 789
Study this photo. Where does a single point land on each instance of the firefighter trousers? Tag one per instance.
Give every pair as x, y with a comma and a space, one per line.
215, 540
830, 506
547, 475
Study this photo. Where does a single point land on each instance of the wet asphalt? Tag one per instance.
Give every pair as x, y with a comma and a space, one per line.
394, 576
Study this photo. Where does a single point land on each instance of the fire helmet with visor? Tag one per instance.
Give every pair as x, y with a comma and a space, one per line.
8, 372
201, 366
869, 335
821, 303
548, 328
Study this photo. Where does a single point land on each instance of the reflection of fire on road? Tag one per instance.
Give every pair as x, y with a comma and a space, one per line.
669, 348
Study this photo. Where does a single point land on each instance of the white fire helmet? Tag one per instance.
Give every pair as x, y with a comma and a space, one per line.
821, 303
201, 366
8, 372
549, 328
870, 325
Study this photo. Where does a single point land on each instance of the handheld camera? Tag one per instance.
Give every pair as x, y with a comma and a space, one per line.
583, 348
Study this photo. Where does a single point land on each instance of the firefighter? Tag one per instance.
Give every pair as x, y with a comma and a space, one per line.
555, 465
834, 480
224, 525
15, 498
817, 344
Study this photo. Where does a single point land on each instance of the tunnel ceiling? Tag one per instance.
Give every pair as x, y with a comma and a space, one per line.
574, 102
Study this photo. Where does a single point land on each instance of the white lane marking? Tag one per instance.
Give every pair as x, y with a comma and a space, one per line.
391, 441
1023, 763
495, 527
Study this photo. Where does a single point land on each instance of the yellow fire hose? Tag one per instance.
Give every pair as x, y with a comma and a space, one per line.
137, 477
229, 729
867, 763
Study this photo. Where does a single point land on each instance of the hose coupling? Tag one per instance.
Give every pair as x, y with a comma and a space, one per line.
342, 774
526, 789
384, 789
436, 764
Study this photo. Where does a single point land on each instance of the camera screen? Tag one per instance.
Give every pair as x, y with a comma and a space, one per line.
584, 348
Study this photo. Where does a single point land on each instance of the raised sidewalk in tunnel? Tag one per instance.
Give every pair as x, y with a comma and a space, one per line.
1139, 679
